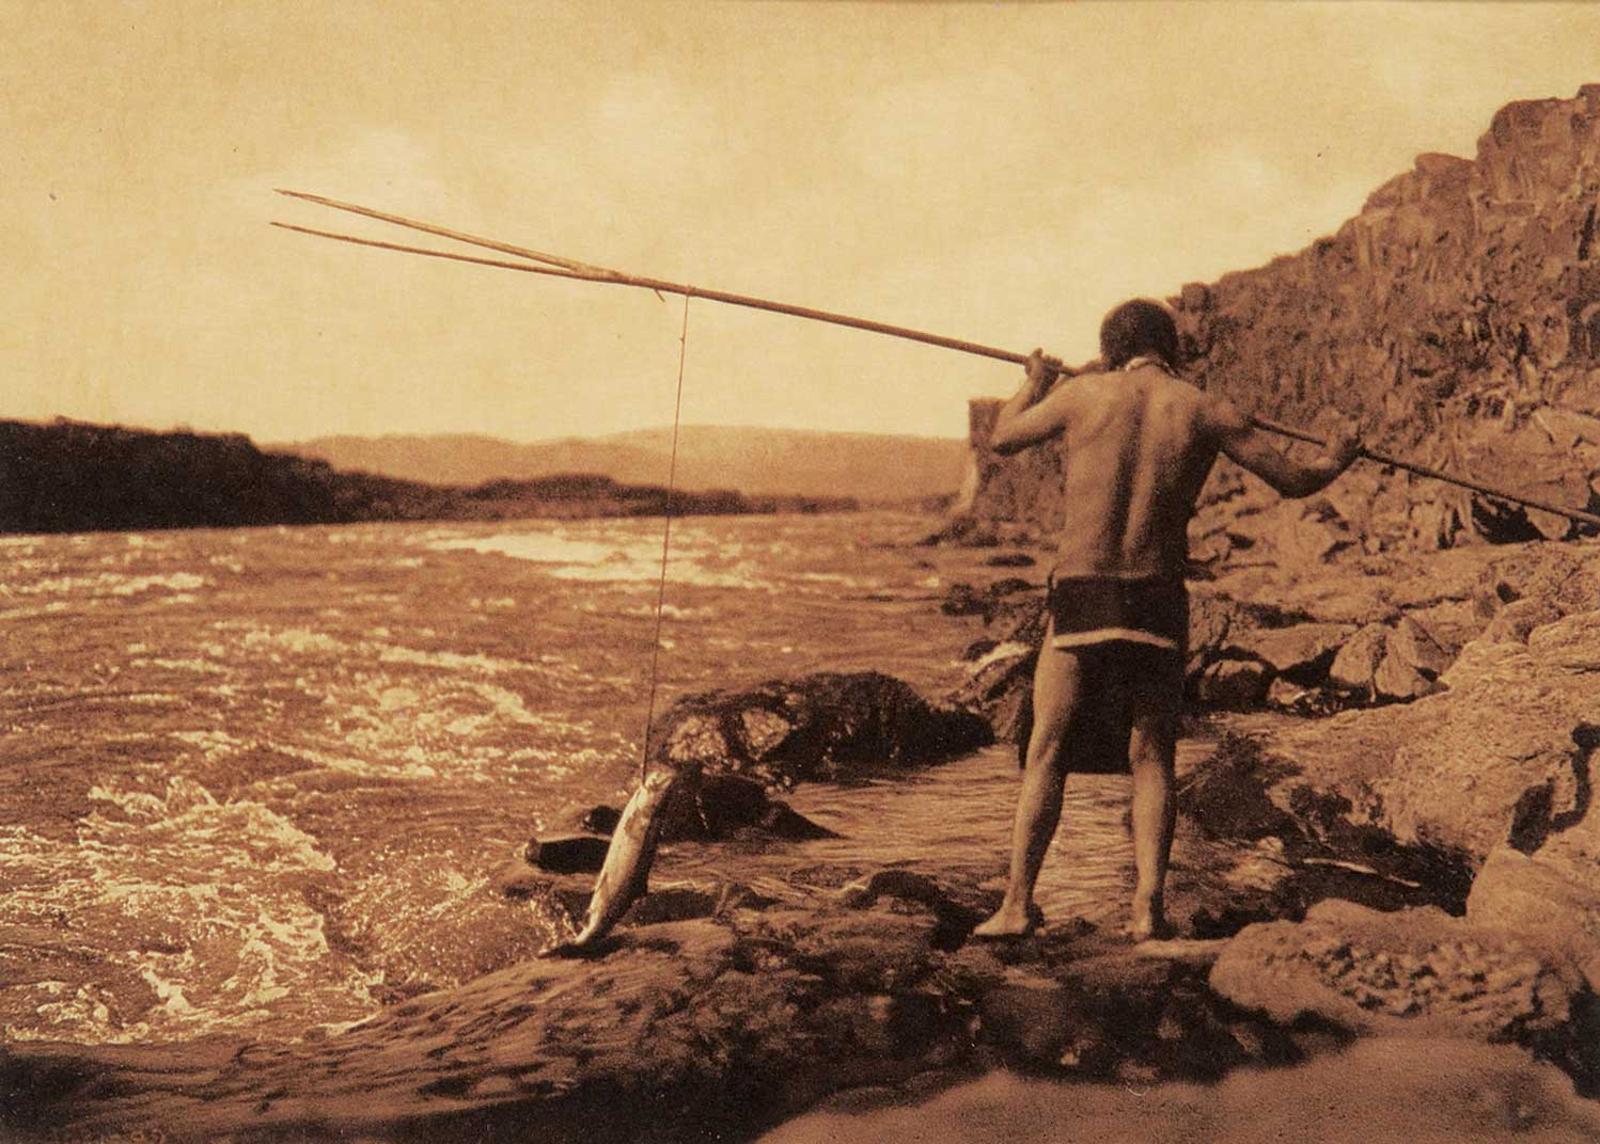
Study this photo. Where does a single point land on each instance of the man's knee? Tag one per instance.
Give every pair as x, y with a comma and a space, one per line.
1152, 748
1047, 749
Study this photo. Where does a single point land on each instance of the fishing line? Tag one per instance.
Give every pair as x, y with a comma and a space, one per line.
666, 542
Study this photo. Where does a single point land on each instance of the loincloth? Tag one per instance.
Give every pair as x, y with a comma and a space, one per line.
1090, 610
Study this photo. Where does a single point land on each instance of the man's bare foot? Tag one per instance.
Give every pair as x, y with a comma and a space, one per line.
1010, 921
1149, 922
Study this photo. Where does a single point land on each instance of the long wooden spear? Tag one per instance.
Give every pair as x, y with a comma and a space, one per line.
555, 266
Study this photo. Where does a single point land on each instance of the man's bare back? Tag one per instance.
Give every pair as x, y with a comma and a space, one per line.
1135, 457
1138, 443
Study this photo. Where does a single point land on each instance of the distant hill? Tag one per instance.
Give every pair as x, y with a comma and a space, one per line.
68, 476
869, 467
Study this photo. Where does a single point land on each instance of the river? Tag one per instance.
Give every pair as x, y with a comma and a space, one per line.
258, 781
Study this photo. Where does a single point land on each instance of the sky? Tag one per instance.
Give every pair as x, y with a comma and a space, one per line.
1003, 174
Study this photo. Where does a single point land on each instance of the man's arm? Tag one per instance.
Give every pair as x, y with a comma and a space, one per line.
1027, 419
1249, 446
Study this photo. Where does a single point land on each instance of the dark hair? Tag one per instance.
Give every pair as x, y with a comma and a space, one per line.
1136, 328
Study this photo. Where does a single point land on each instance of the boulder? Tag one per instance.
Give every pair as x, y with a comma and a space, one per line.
1567, 578
1356, 665
706, 807
1010, 560
1222, 627
963, 530
963, 599
1295, 536
1552, 896
1390, 663
567, 854
1373, 972
1414, 646
1295, 699
1000, 688
1398, 682
713, 807
1545, 878
999, 685
1451, 622
1301, 653
1212, 619
601, 819
818, 727
1457, 770
1514, 622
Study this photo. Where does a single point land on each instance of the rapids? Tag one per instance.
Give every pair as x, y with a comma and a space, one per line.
257, 781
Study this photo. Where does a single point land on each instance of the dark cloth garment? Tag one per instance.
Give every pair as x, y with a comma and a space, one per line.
1088, 610
1123, 631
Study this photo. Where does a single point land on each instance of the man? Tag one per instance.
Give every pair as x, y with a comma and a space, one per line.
1138, 443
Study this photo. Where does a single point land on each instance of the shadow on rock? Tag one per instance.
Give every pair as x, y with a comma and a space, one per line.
1318, 849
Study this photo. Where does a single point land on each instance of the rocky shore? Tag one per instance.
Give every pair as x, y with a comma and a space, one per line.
1423, 862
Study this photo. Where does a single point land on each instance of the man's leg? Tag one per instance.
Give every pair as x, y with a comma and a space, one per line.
1157, 697
1057, 682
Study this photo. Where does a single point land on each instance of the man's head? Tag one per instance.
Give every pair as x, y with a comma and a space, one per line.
1137, 329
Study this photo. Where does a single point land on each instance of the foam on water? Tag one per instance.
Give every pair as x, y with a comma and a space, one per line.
621, 561
111, 584
194, 908
279, 802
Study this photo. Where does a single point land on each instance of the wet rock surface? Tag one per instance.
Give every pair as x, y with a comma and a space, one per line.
567, 854
711, 807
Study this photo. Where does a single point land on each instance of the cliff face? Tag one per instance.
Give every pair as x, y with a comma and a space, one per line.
1457, 316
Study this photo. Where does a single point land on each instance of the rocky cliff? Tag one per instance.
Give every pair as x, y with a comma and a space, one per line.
1457, 316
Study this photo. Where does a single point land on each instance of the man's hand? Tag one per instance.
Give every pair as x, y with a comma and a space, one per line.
1042, 373
1027, 418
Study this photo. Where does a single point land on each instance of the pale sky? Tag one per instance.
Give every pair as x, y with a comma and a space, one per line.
1002, 174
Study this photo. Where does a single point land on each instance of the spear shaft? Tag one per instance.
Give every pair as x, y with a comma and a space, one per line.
555, 266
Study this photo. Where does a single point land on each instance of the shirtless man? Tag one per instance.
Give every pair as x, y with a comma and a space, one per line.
1138, 444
